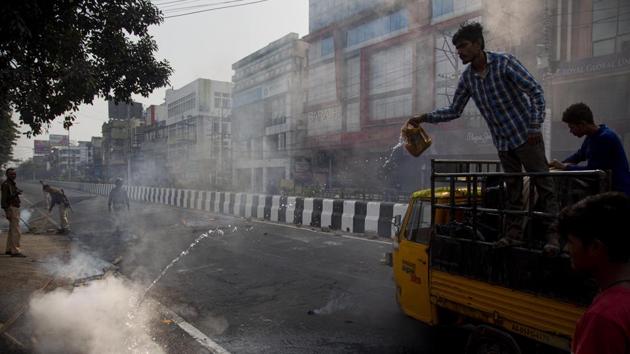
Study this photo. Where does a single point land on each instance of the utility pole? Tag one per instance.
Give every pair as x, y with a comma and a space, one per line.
68, 156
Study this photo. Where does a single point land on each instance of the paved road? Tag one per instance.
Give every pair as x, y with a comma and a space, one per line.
257, 287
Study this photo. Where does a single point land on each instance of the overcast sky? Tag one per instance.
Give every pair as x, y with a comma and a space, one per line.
198, 45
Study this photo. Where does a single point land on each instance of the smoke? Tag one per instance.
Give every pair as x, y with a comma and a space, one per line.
100, 317
80, 265
97, 318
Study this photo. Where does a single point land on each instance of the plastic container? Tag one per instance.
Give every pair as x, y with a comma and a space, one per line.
415, 138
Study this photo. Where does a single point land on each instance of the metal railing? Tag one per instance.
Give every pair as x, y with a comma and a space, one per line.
468, 182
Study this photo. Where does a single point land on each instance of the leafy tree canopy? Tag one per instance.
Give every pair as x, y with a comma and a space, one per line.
58, 54
8, 136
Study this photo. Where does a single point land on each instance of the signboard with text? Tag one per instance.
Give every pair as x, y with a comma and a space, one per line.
58, 140
41, 147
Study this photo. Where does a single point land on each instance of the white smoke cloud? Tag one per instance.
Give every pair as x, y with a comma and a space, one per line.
80, 265
98, 318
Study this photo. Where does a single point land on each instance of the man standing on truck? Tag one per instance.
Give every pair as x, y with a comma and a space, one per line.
58, 197
596, 230
513, 105
601, 149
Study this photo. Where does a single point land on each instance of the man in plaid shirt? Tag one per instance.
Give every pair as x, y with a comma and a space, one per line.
513, 105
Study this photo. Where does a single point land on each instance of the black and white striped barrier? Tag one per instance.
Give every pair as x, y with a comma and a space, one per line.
335, 214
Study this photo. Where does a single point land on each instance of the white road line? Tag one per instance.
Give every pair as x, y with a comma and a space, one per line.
319, 232
201, 338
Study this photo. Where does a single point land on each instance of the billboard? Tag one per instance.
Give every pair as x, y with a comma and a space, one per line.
124, 111
41, 147
58, 140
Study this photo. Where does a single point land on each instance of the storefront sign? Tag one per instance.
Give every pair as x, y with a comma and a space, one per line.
324, 121
594, 64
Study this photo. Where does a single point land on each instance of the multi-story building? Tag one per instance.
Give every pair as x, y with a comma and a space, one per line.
150, 151
590, 45
66, 160
95, 159
117, 134
268, 123
198, 122
372, 64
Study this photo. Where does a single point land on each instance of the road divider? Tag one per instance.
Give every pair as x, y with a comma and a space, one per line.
335, 214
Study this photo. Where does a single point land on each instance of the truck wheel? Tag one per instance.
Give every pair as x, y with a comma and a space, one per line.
489, 340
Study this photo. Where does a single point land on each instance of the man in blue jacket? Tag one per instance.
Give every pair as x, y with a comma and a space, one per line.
601, 149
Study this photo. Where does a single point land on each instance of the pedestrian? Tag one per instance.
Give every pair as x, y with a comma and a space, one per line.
513, 105
117, 202
601, 149
598, 244
58, 197
11, 206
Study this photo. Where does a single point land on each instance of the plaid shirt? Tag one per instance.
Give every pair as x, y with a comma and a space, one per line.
509, 98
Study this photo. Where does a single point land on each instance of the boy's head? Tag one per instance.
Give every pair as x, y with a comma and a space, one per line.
578, 117
469, 42
594, 228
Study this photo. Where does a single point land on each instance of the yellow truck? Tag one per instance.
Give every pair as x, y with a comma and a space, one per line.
447, 270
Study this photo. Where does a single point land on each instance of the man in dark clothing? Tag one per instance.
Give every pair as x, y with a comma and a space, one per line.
118, 199
11, 206
599, 246
601, 149
58, 197
513, 105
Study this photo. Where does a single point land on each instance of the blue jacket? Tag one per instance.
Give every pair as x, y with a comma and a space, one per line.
604, 151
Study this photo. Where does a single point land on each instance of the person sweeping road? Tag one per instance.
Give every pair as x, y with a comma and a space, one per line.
58, 197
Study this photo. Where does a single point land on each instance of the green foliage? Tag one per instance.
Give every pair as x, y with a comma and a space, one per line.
8, 136
58, 54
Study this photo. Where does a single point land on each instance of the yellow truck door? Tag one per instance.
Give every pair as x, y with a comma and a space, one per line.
411, 262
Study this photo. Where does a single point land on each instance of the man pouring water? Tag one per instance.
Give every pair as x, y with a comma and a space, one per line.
513, 105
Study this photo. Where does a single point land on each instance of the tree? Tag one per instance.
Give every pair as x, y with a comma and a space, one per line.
58, 54
8, 136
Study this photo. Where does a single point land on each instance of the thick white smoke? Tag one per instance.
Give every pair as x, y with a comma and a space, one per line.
100, 317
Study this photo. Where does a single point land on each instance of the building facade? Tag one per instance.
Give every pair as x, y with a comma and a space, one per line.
198, 133
117, 149
269, 127
590, 46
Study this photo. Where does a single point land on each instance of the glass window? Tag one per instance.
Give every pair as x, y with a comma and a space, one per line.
417, 221
377, 28
327, 46
353, 77
391, 69
453, 7
611, 24
442, 7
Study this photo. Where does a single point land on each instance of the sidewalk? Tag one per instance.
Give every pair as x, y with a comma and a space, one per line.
20, 278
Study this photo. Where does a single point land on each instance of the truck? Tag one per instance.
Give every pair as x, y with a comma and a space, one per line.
447, 270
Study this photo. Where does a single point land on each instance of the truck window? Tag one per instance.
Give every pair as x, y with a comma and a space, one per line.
419, 225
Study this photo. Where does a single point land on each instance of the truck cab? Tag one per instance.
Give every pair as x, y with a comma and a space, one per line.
447, 269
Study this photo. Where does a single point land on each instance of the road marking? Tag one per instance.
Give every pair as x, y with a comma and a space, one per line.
319, 232
201, 338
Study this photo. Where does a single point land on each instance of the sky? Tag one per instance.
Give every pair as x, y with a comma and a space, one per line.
198, 45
